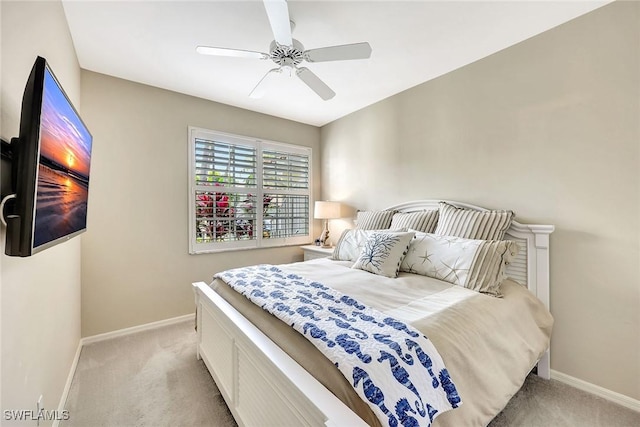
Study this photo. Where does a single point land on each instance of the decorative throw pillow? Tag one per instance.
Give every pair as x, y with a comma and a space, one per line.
424, 221
383, 252
475, 264
350, 244
472, 224
374, 220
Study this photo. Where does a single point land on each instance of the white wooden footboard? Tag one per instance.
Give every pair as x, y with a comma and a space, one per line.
260, 383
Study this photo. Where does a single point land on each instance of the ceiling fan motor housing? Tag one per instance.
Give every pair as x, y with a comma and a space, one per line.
287, 55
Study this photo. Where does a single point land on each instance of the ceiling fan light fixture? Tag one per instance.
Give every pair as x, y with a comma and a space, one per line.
288, 70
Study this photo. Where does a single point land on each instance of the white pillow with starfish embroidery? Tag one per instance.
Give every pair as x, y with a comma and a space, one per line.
475, 264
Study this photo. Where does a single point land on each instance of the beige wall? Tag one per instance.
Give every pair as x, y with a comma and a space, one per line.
135, 263
40, 295
550, 129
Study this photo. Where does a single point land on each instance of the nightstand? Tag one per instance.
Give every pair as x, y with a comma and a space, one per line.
313, 252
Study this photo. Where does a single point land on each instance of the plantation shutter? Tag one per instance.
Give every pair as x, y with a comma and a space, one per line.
285, 170
285, 180
220, 163
247, 193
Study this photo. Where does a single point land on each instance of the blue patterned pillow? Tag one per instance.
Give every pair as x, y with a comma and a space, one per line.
383, 252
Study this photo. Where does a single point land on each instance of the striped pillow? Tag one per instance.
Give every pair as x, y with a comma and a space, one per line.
472, 224
374, 220
478, 265
424, 221
488, 268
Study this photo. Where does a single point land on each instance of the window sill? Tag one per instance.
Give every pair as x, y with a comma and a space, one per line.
252, 248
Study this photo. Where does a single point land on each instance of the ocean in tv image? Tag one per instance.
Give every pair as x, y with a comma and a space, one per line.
63, 172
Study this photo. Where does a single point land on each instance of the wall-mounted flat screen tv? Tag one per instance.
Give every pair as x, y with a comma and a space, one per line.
51, 162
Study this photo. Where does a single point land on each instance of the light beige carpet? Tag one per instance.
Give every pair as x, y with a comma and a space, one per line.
550, 403
153, 379
150, 378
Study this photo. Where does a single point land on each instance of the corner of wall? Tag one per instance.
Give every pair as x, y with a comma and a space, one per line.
39, 295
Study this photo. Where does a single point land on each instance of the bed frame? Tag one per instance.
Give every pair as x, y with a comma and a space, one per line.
262, 385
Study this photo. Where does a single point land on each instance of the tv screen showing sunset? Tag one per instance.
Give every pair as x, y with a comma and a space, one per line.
63, 170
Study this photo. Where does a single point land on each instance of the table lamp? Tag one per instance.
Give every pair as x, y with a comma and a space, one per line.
326, 211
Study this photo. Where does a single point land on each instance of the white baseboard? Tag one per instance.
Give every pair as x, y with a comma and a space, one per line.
607, 394
134, 329
106, 336
67, 385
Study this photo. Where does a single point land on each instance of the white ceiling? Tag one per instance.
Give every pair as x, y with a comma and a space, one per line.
153, 42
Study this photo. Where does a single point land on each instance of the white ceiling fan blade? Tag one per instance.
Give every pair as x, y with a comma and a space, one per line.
265, 83
278, 13
339, 53
236, 53
314, 82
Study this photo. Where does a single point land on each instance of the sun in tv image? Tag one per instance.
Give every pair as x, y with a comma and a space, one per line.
63, 171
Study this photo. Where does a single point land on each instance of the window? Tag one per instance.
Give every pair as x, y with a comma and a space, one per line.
247, 193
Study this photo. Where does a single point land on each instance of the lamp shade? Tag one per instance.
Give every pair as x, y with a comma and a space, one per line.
326, 210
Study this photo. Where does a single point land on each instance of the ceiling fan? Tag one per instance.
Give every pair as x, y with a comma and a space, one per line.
288, 53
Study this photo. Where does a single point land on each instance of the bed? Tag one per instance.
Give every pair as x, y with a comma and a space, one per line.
269, 374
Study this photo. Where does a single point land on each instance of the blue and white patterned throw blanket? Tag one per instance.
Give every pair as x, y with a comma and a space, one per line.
392, 366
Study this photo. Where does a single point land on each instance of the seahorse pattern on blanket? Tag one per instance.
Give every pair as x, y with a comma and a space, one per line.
393, 367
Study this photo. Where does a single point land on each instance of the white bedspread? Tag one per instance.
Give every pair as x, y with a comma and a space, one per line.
409, 297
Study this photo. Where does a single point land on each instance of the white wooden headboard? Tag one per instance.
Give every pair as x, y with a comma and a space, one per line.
530, 267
